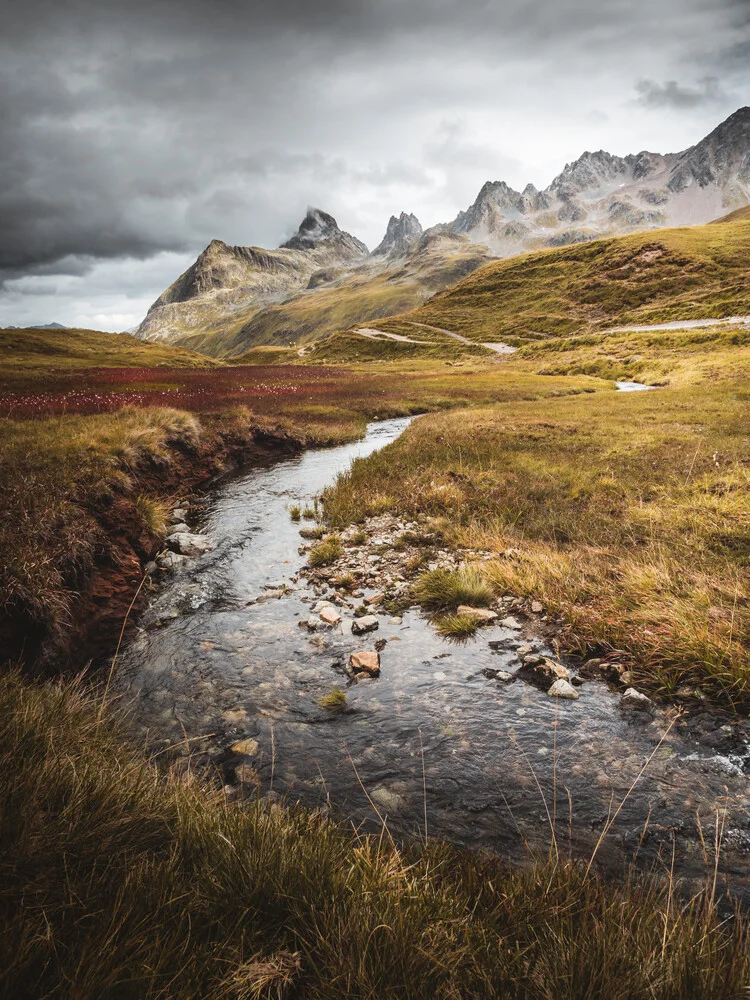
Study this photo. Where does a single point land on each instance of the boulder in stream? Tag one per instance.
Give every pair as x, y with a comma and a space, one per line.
542, 672
562, 689
367, 623
636, 700
366, 661
188, 544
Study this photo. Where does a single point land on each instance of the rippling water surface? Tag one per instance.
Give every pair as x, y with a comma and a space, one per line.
490, 764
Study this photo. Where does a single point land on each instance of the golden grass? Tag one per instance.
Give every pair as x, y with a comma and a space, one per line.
693, 272
36, 352
627, 513
116, 881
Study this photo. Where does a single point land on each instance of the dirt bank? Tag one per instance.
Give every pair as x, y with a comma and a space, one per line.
101, 591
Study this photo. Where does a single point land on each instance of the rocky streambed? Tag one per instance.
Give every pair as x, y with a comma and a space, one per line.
328, 686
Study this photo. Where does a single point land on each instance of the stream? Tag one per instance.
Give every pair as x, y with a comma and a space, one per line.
221, 674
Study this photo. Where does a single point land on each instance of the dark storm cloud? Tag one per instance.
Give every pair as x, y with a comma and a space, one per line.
129, 130
672, 95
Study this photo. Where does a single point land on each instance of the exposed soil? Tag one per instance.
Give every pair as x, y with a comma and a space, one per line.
103, 596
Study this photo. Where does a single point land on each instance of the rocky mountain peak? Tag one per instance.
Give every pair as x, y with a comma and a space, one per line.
401, 235
588, 172
318, 228
723, 156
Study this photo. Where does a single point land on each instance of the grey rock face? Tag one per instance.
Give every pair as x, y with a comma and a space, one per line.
401, 236
319, 227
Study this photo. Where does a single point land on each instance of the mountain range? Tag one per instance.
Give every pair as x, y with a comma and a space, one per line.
324, 279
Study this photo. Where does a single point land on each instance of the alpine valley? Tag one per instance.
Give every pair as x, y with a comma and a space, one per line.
322, 280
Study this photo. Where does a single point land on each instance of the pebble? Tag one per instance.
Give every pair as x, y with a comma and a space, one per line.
330, 615
510, 622
636, 700
367, 623
562, 689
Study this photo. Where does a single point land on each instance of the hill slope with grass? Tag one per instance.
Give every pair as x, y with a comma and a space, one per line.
378, 288
42, 350
646, 278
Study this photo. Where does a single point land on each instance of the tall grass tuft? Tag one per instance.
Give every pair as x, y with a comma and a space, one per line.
326, 552
445, 589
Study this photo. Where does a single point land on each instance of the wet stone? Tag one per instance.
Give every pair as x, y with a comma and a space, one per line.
365, 661
562, 689
636, 700
367, 623
482, 615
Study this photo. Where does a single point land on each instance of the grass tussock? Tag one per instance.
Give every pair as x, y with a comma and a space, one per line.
120, 882
456, 627
334, 700
154, 512
445, 589
326, 552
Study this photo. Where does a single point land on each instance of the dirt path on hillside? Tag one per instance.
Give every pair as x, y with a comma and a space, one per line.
498, 347
683, 324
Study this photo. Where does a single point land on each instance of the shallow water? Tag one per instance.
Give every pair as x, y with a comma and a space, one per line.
490, 764
633, 387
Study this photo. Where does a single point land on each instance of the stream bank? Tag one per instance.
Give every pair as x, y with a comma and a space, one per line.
226, 676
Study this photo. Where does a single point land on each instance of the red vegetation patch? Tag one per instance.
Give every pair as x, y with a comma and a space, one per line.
102, 390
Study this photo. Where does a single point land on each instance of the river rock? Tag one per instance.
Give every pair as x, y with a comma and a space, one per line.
330, 615
367, 623
483, 615
562, 689
396, 620
170, 561
374, 599
246, 774
537, 607
321, 606
366, 661
179, 514
542, 672
179, 528
248, 747
188, 544
636, 700
493, 674
510, 622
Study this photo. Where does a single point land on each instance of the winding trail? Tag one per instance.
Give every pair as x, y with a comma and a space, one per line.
683, 324
498, 348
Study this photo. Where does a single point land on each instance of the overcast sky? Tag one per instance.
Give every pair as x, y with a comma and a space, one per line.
132, 134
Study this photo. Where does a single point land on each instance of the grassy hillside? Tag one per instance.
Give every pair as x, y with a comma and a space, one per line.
358, 298
33, 351
688, 273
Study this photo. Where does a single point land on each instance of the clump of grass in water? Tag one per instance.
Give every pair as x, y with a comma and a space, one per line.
309, 513
326, 552
456, 627
345, 582
295, 511
316, 532
445, 589
334, 700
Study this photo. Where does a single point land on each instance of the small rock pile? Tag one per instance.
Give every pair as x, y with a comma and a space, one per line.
181, 544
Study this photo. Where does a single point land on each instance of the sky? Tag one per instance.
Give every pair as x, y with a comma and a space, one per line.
133, 133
